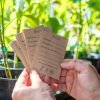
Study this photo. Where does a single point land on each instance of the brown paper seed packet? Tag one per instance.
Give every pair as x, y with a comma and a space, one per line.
21, 41
49, 55
32, 37
41, 50
17, 49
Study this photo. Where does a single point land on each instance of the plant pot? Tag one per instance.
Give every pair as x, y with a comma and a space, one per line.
19, 65
95, 63
6, 84
6, 87
68, 55
10, 58
63, 96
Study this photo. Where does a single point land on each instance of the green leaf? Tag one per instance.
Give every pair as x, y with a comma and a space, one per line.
95, 4
76, 1
33, 19
28, 1
8, 39
54, 23
67, 34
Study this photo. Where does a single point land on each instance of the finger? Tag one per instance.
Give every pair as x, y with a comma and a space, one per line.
53, 81
62, 79
35, 79
67, 60
77, 65
54, 87
62, 87
42, 77
22, 79
63, 72
68, 65
28, 81
69, 81
47, 79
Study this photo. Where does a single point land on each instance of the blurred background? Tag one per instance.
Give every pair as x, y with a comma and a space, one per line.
77, 20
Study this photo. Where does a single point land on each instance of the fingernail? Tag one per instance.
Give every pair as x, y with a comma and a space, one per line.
63, 64
33, 72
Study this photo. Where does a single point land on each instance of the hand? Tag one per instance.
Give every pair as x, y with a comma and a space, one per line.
29, 86
79, 79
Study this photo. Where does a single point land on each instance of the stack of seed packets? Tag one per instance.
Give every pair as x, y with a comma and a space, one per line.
41, 50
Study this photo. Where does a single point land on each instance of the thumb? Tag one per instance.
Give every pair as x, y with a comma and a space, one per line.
68, 64
77, 65
72, 64
35, 79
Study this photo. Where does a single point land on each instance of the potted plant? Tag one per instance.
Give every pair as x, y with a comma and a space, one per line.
84, 31
8, 75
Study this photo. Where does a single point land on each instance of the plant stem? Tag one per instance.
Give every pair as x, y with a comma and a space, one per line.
2, 33
2, 39
9, 23
2, 16
76, 51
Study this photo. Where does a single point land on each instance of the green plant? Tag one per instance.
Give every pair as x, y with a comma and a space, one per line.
73, 19
2, 39
18, 9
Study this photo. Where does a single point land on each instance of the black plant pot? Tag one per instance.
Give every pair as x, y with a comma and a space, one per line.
95, 63
64, 96
6, 84
6, 87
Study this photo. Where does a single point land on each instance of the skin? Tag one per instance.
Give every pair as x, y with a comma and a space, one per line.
79, 79
29, 86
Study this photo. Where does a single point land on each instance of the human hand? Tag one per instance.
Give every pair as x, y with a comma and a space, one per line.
79, 79
29, 86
